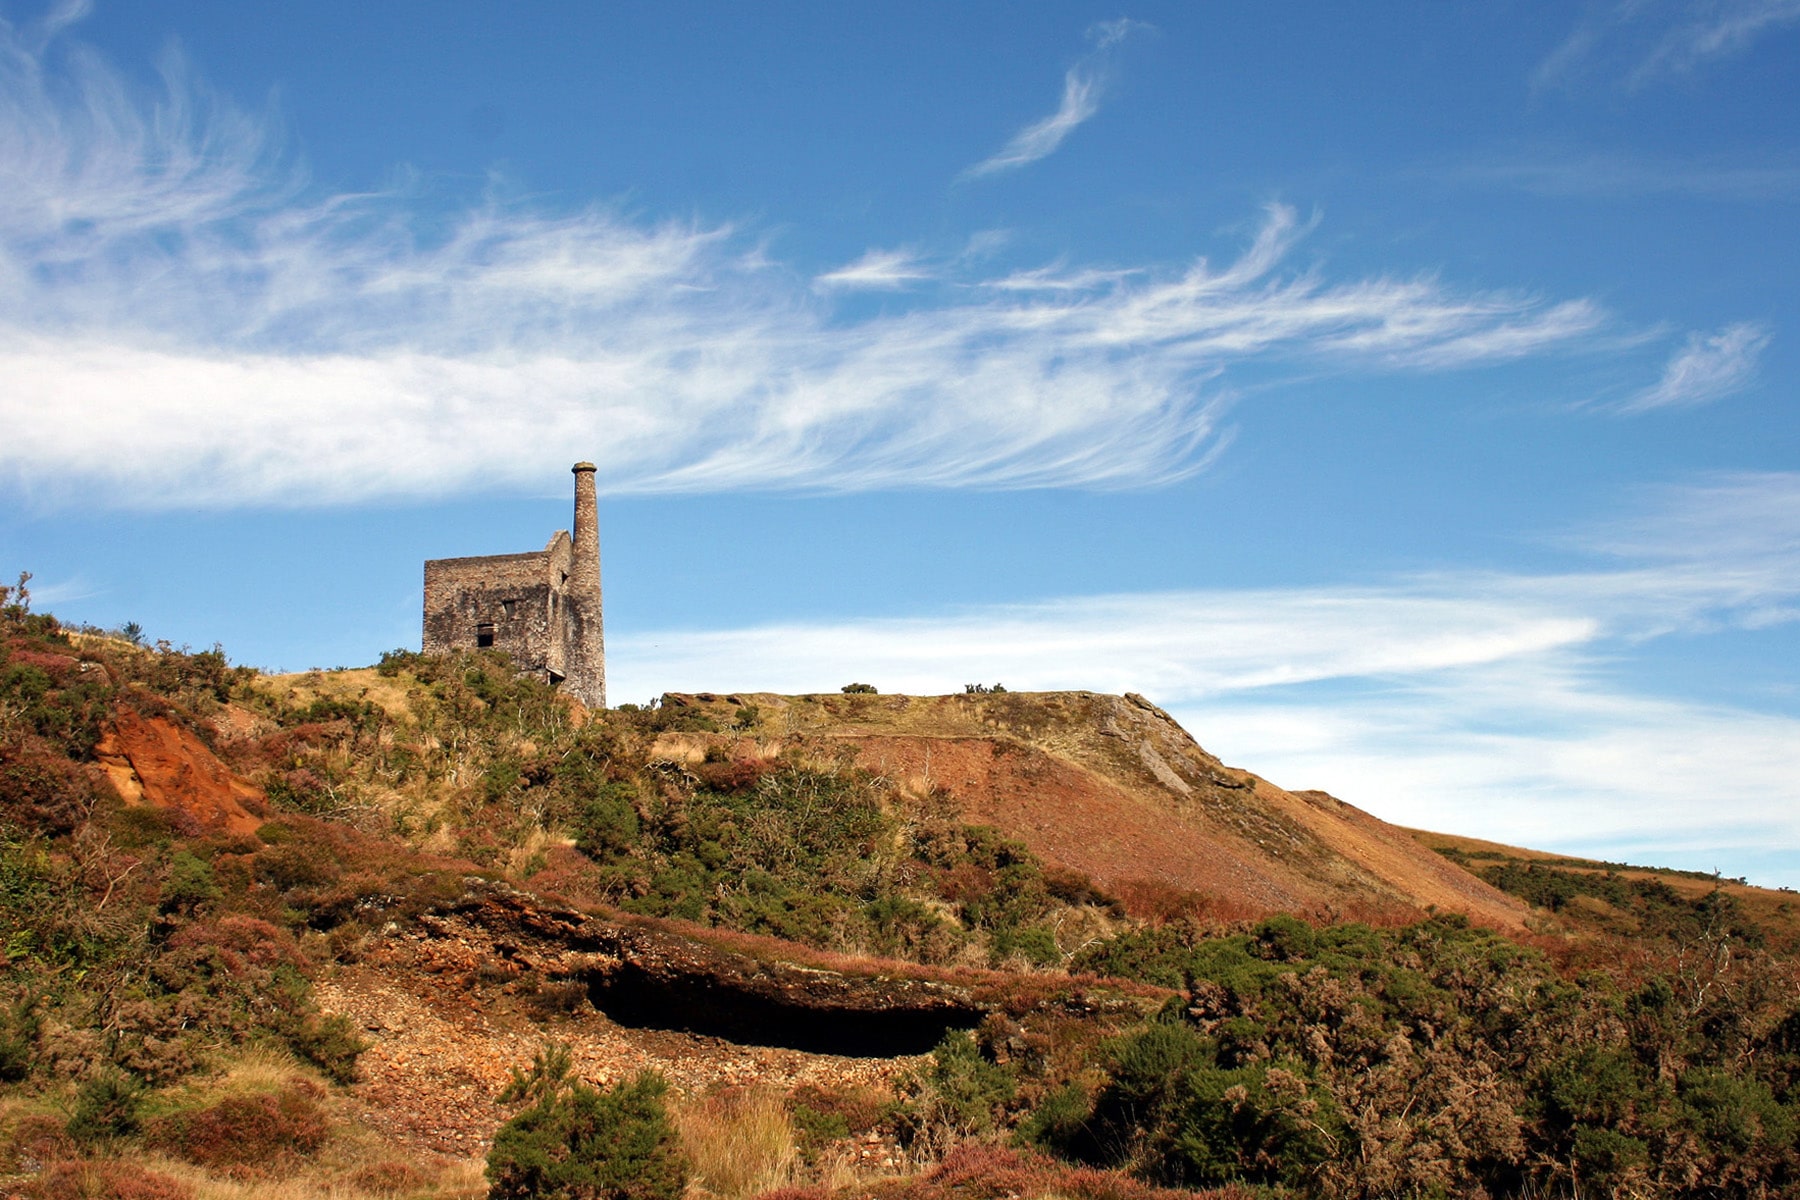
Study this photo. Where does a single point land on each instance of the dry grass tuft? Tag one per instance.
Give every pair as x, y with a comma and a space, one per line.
739, 1143
261, 1067
534, 846
389, 1179
380, 1180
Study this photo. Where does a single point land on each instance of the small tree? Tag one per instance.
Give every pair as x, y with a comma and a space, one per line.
15, 602
576, 1142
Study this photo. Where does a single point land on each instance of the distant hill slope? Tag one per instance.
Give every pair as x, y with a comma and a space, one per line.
1617, 898
1114, 787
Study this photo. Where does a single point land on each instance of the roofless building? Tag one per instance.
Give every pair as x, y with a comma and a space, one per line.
541, 608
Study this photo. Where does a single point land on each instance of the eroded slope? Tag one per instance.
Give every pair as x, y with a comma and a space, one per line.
1114, 787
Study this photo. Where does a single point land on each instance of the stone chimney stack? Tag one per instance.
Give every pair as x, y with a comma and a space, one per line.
586, 641
587, 528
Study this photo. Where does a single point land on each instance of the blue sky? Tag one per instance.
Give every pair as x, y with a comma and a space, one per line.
1404, 397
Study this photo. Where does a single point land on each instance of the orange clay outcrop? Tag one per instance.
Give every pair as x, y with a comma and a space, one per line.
1113, 787
152, 760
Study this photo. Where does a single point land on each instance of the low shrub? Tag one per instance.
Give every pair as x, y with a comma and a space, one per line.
577, 1142
958, 1094
105, 1180
19, 1025
330, 1043
106, 1107
189, 884
40, 789
978, 1171
555, 998
31, 1140
237, 944
245, 1134
822, 1112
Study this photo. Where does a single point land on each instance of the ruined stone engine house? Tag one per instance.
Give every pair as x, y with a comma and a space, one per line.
541, 608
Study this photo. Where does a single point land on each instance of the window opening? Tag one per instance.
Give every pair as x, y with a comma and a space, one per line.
484, 635
506, 606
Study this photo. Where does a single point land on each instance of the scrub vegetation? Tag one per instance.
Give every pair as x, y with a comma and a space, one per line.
161, 1035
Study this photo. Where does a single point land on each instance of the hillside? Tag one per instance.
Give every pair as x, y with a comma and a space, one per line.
1114, 787
295, 936
1623, 899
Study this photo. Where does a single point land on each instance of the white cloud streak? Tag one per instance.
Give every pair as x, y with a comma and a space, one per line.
1643, 42
1709, 367
1080, 100
1749, 520
1479, 703
1714, 31
1543, 754
880, 270
1106, 34
1082, 87
181, 326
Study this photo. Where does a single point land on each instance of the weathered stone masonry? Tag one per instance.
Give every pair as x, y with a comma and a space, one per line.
541, 608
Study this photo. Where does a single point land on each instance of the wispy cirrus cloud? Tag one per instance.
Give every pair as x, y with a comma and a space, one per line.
1720, 552
1080, 100
1713, 31
1708, 367
881, 270
1745, 518
182, 322
1058, 277
1483, 702
1639, 42
1082, 87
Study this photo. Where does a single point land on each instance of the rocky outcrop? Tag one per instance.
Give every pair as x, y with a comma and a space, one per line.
647, 977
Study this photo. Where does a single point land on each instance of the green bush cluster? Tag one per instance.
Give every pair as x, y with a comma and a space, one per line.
577, 1142
822, 855
960, 1093
1346, 1061
1654, 908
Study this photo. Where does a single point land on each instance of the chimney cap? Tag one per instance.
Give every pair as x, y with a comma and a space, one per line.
582, 466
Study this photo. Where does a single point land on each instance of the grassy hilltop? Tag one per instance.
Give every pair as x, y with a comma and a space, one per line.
327, 934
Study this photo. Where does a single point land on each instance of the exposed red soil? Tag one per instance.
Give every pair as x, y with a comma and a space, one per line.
153, 760
1070, 816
